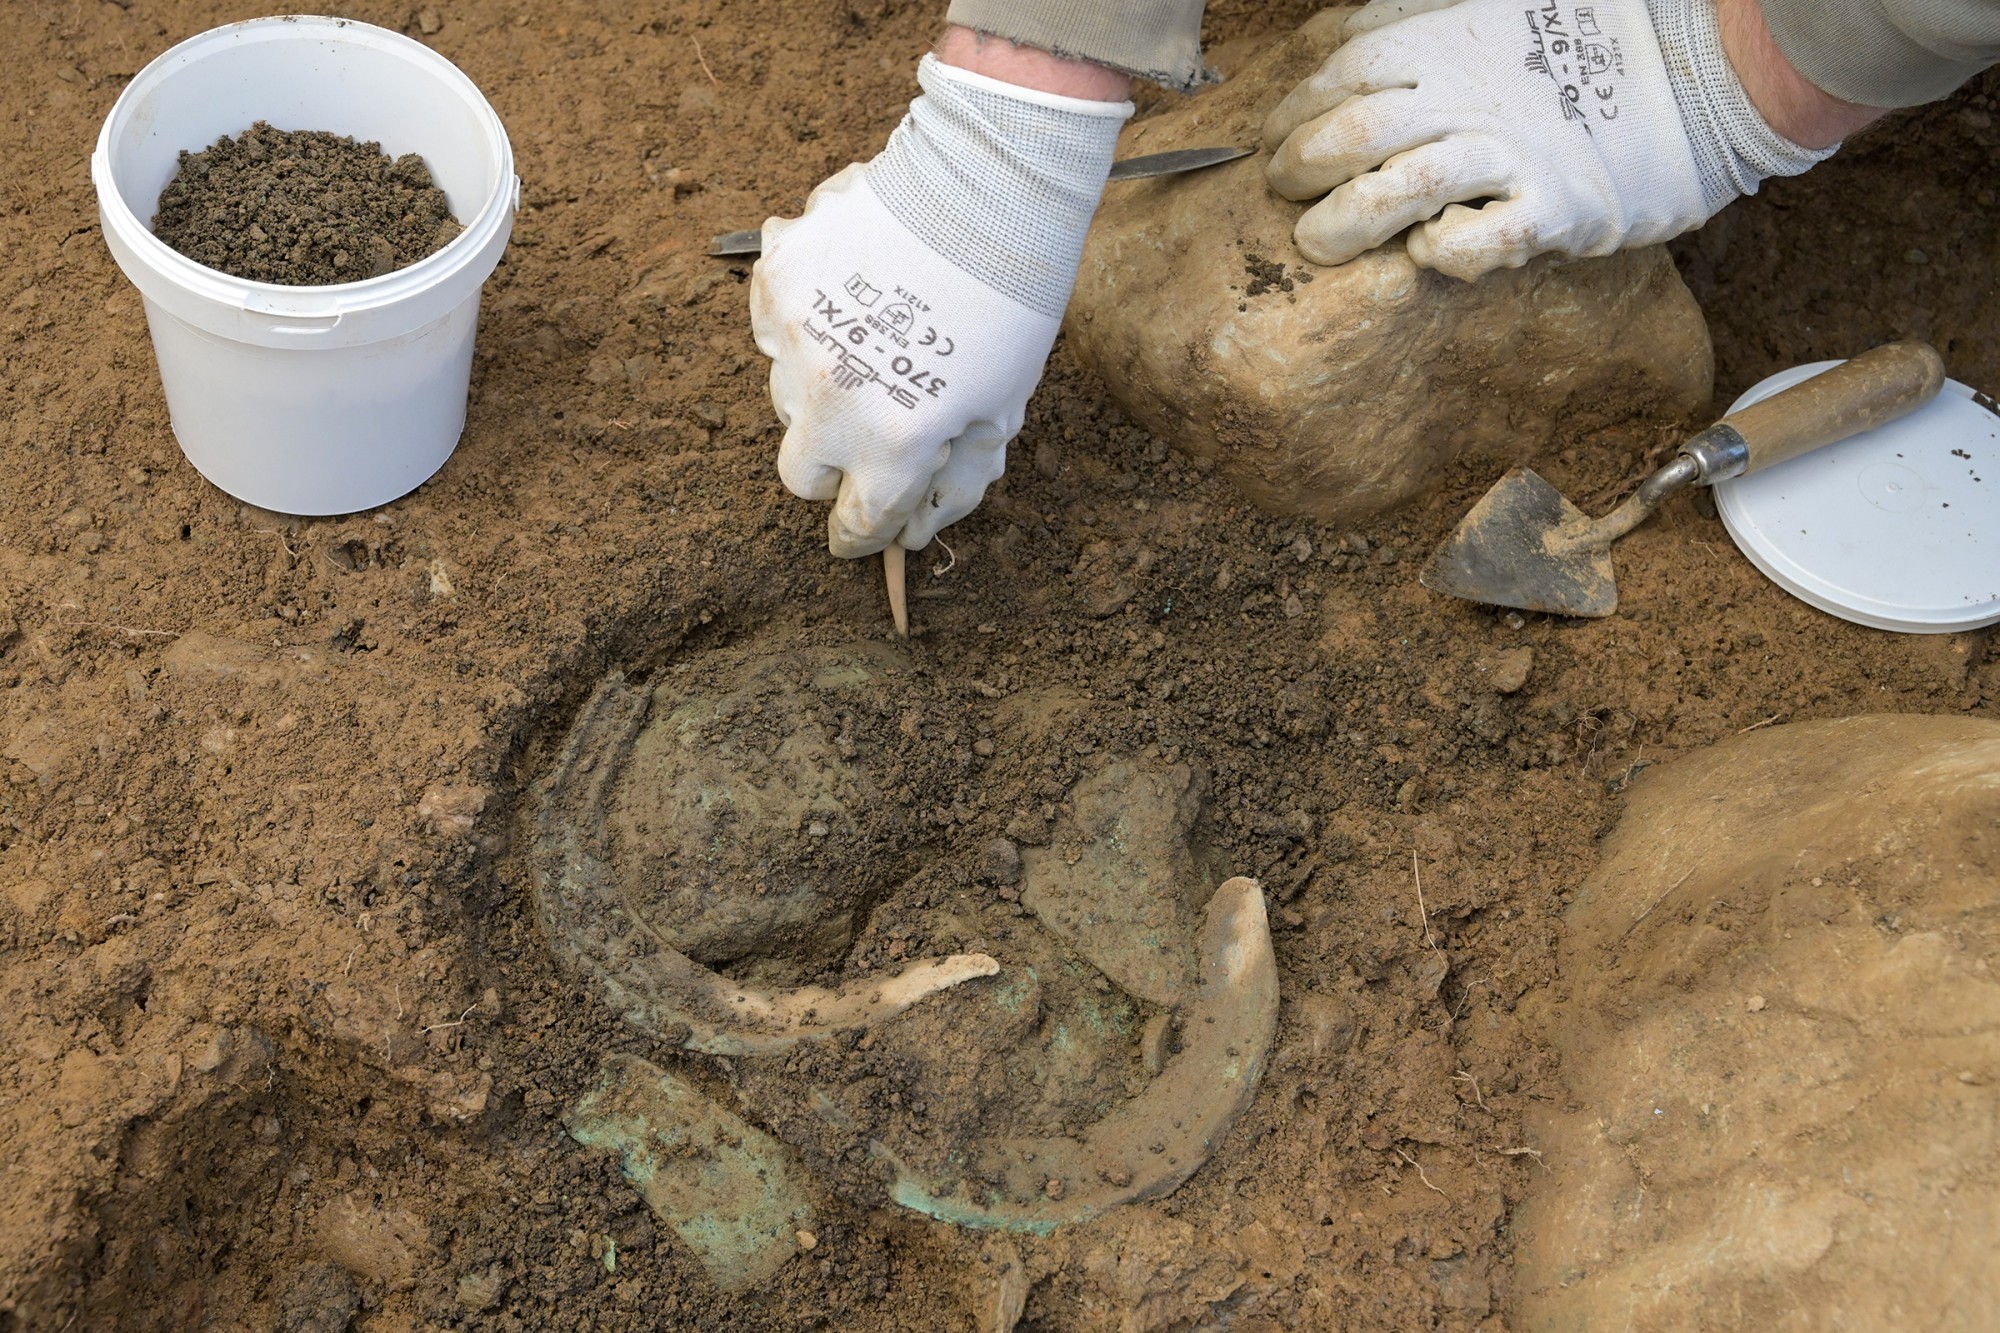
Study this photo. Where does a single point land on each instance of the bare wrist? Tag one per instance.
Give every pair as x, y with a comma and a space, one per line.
1785, 99
1031, 67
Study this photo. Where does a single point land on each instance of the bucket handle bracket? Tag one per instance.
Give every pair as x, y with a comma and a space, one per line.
302, 326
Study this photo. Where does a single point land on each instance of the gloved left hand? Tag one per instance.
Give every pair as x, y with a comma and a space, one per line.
909, 312
1498, 131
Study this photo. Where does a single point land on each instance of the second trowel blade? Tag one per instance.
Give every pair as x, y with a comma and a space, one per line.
1173, 163
751, 241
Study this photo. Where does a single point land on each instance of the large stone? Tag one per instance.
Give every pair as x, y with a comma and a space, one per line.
1781, 1035
1333, 393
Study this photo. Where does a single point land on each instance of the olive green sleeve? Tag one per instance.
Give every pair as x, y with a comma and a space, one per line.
1154, 39
1886, 52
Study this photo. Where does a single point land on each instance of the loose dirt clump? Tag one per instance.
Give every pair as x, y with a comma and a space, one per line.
1266, 275
303, 207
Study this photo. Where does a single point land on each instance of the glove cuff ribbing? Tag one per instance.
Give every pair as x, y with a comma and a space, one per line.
1734, 148
1001, 183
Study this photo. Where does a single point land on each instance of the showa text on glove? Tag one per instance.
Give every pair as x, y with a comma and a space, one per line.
853, 327
1578, 58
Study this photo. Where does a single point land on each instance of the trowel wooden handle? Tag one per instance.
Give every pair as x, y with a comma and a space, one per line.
1876, 387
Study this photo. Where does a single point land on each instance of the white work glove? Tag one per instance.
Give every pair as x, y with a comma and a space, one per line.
909, 311
1504, 129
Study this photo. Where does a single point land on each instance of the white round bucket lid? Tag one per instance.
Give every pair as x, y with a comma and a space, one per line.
1897, 528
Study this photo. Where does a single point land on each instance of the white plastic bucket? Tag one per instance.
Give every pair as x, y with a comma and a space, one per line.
310, 400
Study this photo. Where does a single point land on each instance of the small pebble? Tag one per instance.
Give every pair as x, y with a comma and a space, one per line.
1511, 668
807, 1241
1000, 862
1155, 1041
482, 1290
1755, 1004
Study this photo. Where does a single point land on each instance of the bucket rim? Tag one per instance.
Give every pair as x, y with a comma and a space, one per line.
494, 213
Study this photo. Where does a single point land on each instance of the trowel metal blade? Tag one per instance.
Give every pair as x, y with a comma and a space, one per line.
1173, 163
751, 240
1509, 551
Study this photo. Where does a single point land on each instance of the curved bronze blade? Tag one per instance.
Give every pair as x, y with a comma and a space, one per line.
1519, 547
1156, 1140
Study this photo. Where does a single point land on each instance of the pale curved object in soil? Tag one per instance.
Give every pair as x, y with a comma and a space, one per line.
1155, 1141
656, 988
894, 561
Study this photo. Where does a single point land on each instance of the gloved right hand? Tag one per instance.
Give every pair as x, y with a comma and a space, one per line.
909, 311
1498, 131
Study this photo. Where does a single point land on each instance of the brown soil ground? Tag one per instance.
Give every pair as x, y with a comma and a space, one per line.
281, 1036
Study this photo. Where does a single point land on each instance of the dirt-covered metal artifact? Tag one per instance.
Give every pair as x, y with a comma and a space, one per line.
602, 933
1156, 1140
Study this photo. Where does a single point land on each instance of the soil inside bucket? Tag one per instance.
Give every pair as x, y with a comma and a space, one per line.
303, 207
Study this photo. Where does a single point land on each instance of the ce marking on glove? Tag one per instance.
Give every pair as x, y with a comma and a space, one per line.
898, 320
1573, 51
846, 336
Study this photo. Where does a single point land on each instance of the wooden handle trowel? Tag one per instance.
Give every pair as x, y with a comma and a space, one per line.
1523, 545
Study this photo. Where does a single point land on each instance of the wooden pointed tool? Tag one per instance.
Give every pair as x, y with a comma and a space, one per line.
894, 560
1524, 545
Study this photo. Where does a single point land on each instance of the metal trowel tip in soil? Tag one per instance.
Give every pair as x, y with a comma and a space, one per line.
1523, 545
749, 241
1174, 163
